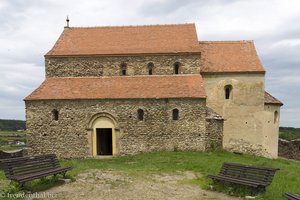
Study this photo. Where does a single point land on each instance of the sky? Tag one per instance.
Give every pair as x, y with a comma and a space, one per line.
29, 29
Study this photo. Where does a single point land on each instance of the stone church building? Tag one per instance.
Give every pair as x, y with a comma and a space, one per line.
133, 89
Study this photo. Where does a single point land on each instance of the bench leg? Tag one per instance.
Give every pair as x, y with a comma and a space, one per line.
18, 184
21, 185
254, 191
64, 174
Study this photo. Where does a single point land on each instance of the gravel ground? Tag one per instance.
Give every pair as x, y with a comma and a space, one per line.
113, 185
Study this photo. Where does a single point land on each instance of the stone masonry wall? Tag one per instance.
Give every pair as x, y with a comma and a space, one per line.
214, 134
110, 65
289, 149
68, 137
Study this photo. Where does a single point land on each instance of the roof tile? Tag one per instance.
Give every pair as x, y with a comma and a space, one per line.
269, 99
229, 56
177, 38
120, 87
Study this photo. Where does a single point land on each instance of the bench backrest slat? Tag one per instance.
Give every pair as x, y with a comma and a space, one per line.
29, 164
244, 172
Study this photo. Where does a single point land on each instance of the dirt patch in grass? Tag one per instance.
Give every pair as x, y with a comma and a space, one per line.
115, 185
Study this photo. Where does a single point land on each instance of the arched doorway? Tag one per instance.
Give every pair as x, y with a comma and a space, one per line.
103, 135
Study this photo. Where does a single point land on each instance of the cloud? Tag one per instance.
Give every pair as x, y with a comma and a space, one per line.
17, 81
286, 43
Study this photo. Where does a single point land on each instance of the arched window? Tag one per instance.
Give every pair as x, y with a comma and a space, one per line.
140, 114
177, 68
150, 68
175, 114
228, 91
123, 69
55, 115
275, 117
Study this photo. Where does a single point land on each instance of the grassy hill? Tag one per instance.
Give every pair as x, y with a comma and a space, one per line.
11, 125
10, 140
10, 135
289, 133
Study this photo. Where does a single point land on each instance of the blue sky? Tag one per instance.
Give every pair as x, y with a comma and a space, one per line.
28, 29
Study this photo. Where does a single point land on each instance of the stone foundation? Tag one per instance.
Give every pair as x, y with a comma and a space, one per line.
242, 146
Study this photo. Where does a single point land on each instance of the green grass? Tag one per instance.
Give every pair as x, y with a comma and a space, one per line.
285, 180
289, 133
6, 136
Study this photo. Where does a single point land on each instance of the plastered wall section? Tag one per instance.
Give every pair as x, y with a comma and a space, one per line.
271, 129
71, 135
110, 65
243, 112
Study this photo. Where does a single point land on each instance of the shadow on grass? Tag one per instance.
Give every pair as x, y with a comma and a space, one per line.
230, 189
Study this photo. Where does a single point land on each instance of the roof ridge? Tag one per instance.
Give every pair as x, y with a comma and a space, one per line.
127, 26
227, 41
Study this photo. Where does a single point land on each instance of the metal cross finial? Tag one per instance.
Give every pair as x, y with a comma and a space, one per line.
67, 21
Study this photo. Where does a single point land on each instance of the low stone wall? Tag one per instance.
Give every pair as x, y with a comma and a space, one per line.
214, 130
20, 153
289, 149
214, 134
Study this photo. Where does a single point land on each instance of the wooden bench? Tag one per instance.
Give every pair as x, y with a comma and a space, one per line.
292, 196
28, 168
255, 177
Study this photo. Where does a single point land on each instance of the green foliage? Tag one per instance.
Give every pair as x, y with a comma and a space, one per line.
204, 163
6, 136
289, 133
11, 125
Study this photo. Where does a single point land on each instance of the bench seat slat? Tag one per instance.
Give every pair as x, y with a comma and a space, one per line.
250, 166
292, 196
267, 177
29, 161
32, 170
236, 180
27, 177
27, 166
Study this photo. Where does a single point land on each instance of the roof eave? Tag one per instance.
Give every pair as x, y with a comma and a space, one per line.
121, 54
235, 72
73, 99
278, 104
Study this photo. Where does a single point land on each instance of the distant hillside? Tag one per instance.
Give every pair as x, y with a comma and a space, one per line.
289, 133
11, 125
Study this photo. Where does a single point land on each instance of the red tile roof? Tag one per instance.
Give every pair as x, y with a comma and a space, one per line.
180, 38
231, 56
269, 99
120, 87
